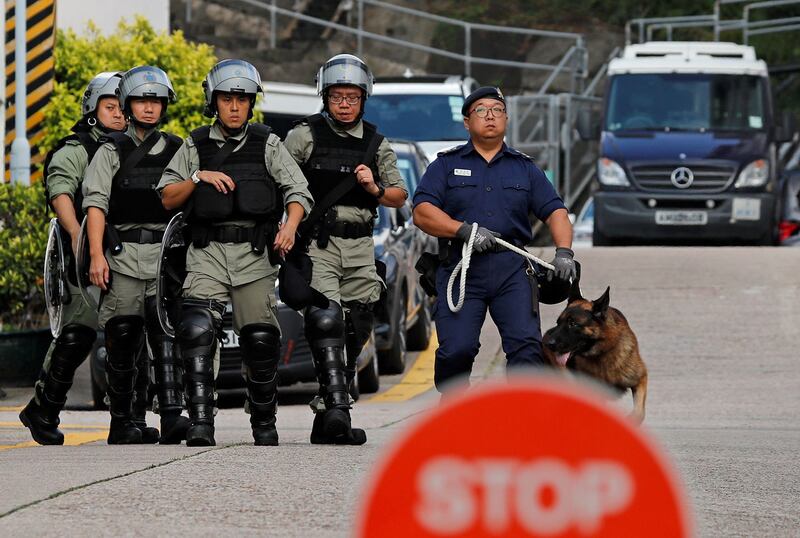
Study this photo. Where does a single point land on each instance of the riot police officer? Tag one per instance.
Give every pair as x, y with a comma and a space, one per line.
125, 214
486, 182
238, 179
351, 169
63, 174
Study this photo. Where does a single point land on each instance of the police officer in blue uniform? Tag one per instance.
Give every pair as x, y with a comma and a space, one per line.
486, 182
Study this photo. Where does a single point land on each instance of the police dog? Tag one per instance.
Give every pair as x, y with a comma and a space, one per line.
594, 339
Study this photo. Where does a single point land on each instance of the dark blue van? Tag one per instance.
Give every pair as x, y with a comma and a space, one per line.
688, 147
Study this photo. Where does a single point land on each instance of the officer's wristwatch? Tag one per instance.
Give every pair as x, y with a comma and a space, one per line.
195, 177
381, 192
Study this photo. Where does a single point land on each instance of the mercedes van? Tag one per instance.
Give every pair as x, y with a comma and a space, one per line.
688, 146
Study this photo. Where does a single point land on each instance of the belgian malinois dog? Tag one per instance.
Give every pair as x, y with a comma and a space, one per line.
594, 339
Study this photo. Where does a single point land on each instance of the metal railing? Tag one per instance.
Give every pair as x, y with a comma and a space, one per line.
573, 63
646, 27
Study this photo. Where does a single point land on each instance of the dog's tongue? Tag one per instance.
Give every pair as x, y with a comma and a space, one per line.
562, 359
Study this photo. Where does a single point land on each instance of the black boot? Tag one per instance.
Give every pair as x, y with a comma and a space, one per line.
197, 341
325, 333
150, 435
261, 350
41, 414
168, 379
124, 340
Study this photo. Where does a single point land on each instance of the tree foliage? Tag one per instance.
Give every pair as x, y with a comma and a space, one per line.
24, 215
23, 235
78, 59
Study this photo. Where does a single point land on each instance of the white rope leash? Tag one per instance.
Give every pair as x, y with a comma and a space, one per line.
462, 267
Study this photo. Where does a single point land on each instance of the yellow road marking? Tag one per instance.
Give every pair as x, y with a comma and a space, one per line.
418, 380
70, 439
12, 409
18, 424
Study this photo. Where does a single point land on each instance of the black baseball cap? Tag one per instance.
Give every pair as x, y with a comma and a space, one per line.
490, 92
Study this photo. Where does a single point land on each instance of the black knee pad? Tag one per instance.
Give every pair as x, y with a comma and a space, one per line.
196, 332
72, 346
325, 326
151, 322
260, 341
124, 335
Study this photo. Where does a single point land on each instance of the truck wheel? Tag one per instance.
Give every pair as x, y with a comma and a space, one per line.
599, 239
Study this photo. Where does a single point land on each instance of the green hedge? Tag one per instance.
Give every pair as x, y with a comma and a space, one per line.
23, 234
24, 215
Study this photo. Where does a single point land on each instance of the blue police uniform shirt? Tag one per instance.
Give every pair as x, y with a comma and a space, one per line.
498, 195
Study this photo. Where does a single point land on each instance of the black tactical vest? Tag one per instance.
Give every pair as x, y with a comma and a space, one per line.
256, 196
90, 145
134, 199
335, 158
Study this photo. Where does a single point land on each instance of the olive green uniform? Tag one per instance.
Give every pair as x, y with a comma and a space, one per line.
64, 176
223, 271
133, 269
345, 270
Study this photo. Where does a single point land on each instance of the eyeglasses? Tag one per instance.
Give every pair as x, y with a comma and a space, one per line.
481, 111
351, 99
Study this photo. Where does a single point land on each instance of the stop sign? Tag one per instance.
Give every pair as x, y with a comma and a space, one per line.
538, 457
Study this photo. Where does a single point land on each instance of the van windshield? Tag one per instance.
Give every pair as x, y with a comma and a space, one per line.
685, 102
417, 117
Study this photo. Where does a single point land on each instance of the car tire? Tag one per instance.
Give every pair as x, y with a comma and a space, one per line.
393, 360
599, 239
355, 389
419, 335
369, 380
98, 390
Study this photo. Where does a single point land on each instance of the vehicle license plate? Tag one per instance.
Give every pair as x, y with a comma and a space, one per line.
682, 218
746, 209
231, 340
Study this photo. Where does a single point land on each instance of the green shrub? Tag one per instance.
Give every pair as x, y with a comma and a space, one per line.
23, 235
80, 58
24, 216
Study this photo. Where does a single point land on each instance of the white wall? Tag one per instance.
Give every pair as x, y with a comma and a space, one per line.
106, 14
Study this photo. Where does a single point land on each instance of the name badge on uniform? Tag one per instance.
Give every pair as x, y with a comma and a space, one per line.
462, 172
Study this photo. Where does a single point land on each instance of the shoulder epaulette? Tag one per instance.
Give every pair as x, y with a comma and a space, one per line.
259, 129
115, 138
173, 139
450, 150
200, 134
515, 151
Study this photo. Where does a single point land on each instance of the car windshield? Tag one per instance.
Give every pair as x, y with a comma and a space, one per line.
417, 117
685, 102
408, 169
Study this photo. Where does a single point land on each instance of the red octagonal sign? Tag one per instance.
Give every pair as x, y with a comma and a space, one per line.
537, 457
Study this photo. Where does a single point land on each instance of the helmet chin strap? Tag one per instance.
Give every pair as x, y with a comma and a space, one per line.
231, 131
143, 125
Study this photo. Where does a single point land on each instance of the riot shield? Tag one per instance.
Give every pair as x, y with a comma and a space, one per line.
170, 272
56, 291
89, 292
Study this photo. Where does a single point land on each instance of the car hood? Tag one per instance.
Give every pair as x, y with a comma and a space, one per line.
740, 147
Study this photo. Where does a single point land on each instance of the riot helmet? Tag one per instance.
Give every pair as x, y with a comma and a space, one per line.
102, 85
344, 70
231, 76
145, 81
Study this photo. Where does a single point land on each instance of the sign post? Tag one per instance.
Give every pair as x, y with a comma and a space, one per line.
537, 457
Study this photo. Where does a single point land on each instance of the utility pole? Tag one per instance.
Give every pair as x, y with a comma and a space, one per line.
20, 148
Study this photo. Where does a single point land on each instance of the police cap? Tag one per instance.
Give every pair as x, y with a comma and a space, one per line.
484, 92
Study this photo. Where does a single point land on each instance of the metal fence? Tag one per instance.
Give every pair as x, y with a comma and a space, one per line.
646, 28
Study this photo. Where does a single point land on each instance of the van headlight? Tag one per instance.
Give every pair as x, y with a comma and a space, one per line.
754, 174
610, 173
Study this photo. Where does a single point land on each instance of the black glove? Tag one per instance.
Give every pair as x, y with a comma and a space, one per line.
484, 238
563, 264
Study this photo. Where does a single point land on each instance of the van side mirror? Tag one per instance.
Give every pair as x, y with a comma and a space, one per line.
588, 126
784, 132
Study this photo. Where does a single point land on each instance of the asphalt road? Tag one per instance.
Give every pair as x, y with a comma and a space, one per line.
717, 328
